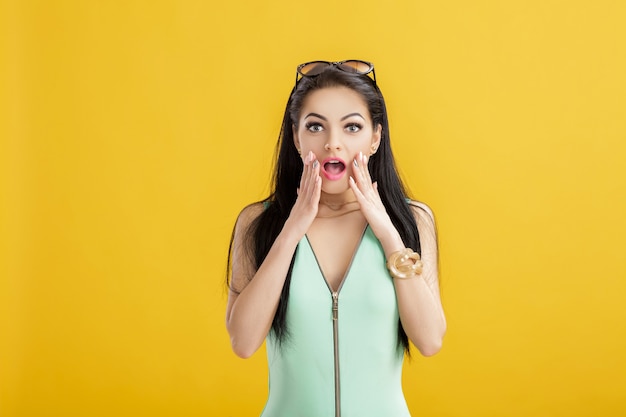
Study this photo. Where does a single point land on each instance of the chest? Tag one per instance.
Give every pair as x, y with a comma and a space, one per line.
334, 245
365, 297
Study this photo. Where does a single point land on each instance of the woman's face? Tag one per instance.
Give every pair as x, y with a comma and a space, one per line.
335, 124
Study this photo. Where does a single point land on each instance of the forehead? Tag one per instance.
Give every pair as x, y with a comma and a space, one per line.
334, 101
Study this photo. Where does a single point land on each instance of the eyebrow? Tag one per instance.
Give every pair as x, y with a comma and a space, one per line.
315, 115
342, 119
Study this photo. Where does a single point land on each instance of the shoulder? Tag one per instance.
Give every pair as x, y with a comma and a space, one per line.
422, 211
252, 211
249, 213
426, 227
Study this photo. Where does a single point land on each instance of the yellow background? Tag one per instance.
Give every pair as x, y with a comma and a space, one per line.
133, 132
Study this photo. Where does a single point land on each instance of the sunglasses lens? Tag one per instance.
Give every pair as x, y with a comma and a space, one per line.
356, 67
313, 68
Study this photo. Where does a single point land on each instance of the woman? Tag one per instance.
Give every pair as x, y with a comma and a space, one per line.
327, 269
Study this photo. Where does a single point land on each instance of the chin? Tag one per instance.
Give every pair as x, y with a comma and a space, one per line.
335, 187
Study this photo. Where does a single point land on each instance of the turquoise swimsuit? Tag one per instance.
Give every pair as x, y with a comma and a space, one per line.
342, 357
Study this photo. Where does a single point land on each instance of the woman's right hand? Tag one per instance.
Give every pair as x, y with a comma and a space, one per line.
305, 208
250, 310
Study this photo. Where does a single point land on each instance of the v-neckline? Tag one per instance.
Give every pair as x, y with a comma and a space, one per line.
348, 269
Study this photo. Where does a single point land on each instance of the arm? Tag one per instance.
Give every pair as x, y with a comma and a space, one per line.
254, 294
419, 302
250, 310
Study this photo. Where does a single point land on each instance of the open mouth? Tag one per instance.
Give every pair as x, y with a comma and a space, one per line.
334, 168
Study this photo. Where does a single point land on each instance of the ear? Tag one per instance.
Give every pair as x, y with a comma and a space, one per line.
376, 136
296, 139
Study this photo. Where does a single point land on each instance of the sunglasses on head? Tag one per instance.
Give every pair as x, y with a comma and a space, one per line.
352, 66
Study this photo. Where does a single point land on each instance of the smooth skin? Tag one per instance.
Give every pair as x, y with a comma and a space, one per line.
334, 122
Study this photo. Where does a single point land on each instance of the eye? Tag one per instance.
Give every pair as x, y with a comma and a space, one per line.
353, 127
314, 127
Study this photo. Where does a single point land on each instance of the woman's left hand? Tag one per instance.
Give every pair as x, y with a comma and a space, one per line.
367, 195
419, 303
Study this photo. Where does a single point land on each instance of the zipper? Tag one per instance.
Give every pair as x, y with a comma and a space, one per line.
335, 295
335, 313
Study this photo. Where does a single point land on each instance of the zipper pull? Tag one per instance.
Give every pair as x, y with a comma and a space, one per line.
335, 306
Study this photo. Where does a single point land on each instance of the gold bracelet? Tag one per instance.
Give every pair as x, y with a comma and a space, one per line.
404, 264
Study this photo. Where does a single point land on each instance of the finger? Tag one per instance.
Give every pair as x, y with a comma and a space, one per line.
361, 173
309, 178
305, 172
357, 192
365, 168
312, 172
358, 168
316, 169
376, 193
314, 164
317, 190
304, 167
313, 178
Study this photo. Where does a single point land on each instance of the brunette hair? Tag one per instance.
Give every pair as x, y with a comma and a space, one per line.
288, 169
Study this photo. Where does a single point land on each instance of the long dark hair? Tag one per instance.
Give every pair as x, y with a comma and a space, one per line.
288, 169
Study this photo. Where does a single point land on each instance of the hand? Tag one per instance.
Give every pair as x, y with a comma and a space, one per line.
305, 209
367, 195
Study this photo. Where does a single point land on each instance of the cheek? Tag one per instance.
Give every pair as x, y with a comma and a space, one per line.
364, 147
315, 145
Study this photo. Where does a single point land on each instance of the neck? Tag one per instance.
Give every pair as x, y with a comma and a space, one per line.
337, 201
337, 205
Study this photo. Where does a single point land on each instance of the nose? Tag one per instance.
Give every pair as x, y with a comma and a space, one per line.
333, 142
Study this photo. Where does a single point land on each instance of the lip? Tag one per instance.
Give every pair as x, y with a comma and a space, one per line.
333, 177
